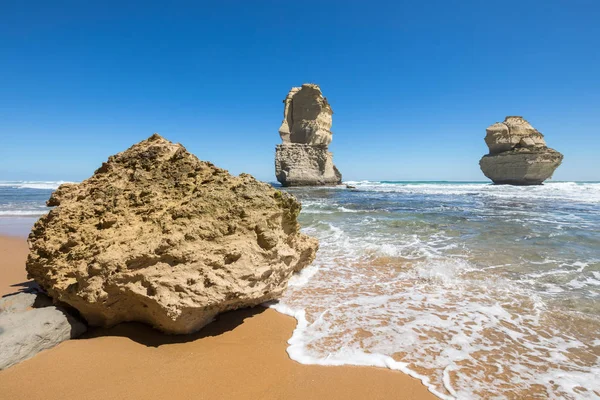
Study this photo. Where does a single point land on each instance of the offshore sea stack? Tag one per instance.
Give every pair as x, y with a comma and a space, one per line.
518, 154
160, 237
303, 159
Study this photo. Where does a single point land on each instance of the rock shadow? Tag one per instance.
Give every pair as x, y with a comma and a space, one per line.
148, 336
24, 287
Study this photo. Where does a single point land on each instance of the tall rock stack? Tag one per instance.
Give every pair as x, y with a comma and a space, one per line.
518, 154
303, 159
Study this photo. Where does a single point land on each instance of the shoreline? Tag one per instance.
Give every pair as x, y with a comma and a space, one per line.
241, 355
17, 227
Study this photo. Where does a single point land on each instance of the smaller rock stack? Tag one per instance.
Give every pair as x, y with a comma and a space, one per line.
303, 159
518, 154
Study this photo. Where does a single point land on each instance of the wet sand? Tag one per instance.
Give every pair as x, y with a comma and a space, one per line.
240, 356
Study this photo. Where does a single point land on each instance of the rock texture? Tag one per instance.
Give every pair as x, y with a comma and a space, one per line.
303, 159
160, 237
29, 324
518, 154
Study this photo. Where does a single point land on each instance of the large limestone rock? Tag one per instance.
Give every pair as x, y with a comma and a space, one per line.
160, 237
518, 154
29, 324
303, 159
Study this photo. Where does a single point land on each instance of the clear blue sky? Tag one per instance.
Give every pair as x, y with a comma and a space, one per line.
413, 84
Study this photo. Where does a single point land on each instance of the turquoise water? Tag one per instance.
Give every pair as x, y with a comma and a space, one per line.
481, 291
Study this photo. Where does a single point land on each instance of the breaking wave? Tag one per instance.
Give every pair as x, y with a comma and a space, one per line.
43, 185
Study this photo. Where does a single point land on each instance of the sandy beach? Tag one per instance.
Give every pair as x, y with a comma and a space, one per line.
240, 356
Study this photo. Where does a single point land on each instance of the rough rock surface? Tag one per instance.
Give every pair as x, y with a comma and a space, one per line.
29, 324
306, 117
518, 154
160, 237
303, 159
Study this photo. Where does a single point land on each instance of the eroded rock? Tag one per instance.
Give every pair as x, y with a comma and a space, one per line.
160, 237
303, 159
518, 154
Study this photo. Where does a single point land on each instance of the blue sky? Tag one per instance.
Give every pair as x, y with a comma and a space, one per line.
413, 85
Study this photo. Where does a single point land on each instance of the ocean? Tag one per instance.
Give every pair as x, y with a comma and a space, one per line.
480, 291
21, 204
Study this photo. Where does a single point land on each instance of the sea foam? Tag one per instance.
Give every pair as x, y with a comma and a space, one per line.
43, 185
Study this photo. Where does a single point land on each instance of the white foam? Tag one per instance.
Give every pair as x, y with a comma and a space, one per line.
301, 278
346, 356
44, 185
21, 213
323, 207
572, 191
